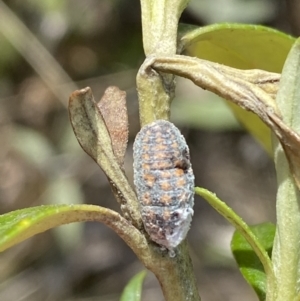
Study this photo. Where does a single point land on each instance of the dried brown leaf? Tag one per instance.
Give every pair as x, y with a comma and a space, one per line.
114, 112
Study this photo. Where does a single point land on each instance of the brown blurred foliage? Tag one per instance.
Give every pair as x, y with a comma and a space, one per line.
98, 43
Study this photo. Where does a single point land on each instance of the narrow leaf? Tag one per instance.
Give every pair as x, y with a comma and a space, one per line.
240, 226
288, 102
248, 262
133, 290
286, 255
16, 226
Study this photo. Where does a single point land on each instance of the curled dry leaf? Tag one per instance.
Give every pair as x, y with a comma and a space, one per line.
252, 90
91, 132
114, 112
246, 88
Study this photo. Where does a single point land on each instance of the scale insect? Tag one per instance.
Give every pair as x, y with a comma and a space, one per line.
164, 182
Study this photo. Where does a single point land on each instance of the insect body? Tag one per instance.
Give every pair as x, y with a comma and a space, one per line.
164, 182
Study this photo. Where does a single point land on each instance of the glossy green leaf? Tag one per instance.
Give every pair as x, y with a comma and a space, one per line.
248, 262
133, 290
244, 47
16, 226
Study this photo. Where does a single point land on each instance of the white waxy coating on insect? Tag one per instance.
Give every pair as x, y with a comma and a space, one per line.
164, 182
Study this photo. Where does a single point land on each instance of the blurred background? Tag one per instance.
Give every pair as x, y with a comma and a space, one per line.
50, 48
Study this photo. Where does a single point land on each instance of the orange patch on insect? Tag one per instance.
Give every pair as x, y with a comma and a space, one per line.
161, 155
174, 145
146, 148
146, 198
161, 147
179, 172
180, 182
147, 134
146, 166
166, 199
146, 156
160, 165
165, 186
149, 179
159, 140
165, 174
166, 215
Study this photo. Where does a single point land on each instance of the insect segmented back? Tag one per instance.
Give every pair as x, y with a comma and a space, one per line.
164, 182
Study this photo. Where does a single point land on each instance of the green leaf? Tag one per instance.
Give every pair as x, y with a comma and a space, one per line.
248, 262
133, 290
245, 47
239, 45
16, 226
286, 254
245, 231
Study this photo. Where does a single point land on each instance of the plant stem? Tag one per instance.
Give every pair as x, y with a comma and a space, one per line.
160, 23
175, 274
156, 89
155, 92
